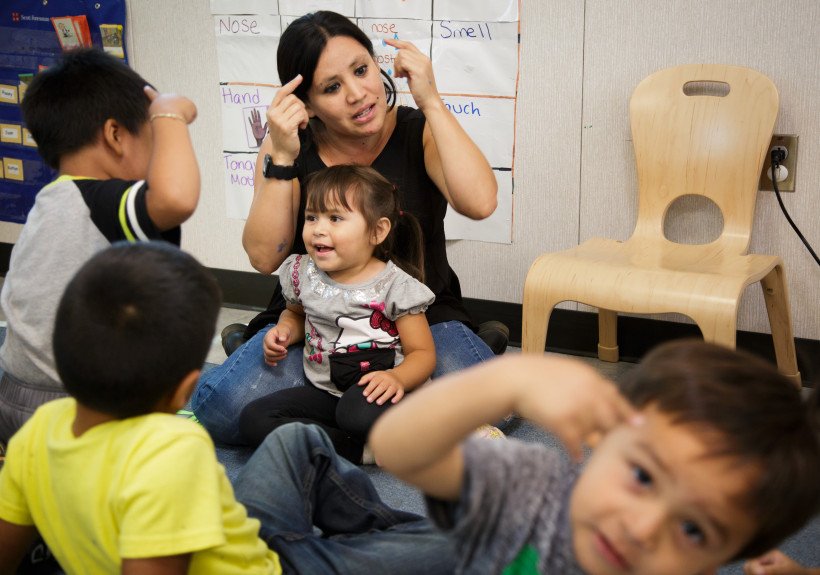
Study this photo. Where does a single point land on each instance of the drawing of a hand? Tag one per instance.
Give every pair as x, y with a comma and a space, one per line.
258, 130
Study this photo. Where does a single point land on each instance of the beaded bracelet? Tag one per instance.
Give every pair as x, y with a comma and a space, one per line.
168, 115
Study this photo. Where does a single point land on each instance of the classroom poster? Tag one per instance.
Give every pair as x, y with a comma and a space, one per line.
32, 36
474, 50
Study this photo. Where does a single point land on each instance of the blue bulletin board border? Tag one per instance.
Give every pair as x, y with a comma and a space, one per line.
28, 42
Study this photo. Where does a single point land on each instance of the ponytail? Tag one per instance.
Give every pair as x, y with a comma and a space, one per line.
406, 233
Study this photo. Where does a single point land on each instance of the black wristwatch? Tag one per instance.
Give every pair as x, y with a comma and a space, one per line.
271, 170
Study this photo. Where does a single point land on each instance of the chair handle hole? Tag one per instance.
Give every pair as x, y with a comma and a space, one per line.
707, 88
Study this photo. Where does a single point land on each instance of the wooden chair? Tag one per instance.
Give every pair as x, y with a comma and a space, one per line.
687, 141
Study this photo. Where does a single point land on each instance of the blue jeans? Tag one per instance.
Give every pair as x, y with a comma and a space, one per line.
321, 513
224, 391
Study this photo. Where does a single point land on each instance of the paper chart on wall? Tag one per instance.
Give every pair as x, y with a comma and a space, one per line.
474, 50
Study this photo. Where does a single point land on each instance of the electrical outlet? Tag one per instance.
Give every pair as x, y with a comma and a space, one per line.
788, 142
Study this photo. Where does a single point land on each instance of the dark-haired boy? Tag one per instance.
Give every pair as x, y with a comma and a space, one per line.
715, 459
116, 483
111, 478
127, 171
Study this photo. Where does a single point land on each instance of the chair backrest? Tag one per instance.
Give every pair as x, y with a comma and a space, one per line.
702, 129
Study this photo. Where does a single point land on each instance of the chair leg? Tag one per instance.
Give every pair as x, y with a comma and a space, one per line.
608, 335
719, 325
776, 296
534, 326
536, 312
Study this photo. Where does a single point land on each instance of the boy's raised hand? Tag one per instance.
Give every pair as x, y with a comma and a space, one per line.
419, 439
173, 173
170, 104
569, 399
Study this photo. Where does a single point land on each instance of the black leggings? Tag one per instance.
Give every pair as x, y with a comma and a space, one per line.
347, 419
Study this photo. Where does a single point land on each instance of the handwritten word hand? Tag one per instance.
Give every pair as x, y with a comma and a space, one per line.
381, 386
170, 104
412, 64
275, 345
286, 115
257, 128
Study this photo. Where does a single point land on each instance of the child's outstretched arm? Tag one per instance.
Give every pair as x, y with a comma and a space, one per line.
419, 439
173, 173
417, 367
289, 329
15, 541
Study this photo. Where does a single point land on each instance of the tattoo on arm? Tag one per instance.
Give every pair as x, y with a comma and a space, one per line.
281, 247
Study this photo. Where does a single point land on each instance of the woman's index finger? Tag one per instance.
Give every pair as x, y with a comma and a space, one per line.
400, 44
287, 89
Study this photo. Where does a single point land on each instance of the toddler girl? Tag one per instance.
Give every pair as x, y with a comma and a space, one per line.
359, 309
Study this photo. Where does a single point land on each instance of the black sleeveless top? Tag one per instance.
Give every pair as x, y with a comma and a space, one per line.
402, 162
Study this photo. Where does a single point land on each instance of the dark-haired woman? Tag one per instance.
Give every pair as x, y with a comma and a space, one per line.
337, 107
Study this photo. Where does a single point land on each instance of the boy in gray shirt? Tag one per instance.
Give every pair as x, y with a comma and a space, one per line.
707, 455
126, 171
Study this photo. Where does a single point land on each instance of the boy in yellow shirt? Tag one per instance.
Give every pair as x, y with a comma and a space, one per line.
111, 478
116, 483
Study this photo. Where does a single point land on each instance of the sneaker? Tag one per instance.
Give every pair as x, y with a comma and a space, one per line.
488, 431
495, 334
233, 336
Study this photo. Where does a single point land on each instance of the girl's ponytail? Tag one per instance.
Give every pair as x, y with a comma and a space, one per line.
408, 234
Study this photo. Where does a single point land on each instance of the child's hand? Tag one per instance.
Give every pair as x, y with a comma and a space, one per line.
381, 386
170, 104
774, 563
275, 345
572, 400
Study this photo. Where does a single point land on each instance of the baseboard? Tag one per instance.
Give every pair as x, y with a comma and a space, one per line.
570, 331
245, 289
576, 332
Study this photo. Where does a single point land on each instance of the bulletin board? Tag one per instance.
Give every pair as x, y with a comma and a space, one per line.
33, 33
474, 48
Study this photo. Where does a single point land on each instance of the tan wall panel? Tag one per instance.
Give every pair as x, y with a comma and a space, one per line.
623, 46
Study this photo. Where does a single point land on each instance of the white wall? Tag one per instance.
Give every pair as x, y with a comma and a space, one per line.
574, 163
